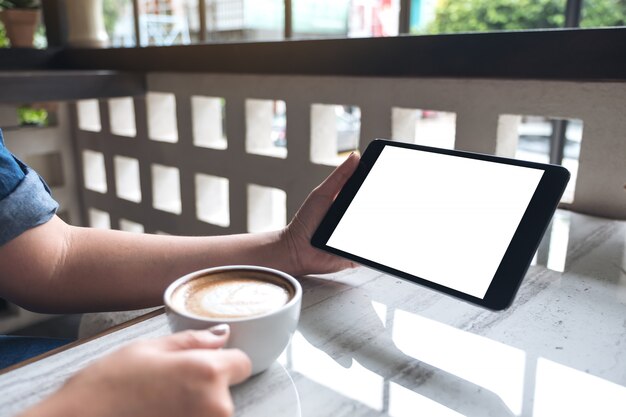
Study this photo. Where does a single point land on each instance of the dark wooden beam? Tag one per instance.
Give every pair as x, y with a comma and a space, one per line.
28, 59
562, 54
31, 86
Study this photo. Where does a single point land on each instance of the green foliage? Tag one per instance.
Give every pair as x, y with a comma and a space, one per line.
29, 116
601, 13
19, 4
4, 41
499, 15
40, 41
492, 15
111, 10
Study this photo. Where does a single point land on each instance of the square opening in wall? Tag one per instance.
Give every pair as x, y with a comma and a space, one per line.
267, 208
41, 114
212, 205
127, 182
89, 115
131, 226
552, 251
335, 131
209, 122
122, 116
99, 219
161, 109
49, 166
166, 189
266, 127
423, 127
94, 172
543, 139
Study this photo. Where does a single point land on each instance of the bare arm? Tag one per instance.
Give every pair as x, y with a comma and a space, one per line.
60, 268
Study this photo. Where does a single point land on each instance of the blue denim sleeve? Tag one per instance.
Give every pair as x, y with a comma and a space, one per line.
25, 200
11, 173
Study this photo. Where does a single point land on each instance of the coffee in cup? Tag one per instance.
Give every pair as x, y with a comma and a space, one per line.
261, 306
232, 295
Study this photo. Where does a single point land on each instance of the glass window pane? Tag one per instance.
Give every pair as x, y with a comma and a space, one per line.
320, 18
603, 13
245, 20
450, 16
375, 17
168, 22
118, 22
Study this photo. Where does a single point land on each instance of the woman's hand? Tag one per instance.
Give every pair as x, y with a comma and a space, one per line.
297, 235
185, 374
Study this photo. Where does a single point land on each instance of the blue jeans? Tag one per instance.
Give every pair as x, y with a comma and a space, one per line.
14, 349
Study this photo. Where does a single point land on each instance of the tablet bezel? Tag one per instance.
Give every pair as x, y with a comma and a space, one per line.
520, 251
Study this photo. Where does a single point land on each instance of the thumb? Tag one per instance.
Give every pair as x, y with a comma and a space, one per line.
337, 179
213, 338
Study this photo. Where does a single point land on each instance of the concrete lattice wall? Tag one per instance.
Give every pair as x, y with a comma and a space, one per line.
179, 169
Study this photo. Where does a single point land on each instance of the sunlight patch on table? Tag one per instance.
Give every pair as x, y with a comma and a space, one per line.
492, 365
381, 311
406, 403
559, 238
564, 391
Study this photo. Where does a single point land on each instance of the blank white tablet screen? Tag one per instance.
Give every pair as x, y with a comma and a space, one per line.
442, 218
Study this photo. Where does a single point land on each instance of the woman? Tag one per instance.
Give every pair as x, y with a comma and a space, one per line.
47, 265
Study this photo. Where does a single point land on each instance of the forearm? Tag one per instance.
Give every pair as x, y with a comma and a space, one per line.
58, 268
140, 267
83, 269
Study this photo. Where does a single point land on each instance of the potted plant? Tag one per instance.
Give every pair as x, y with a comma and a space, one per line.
20, 18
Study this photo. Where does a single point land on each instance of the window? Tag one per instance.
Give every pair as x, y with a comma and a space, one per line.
175, 22
118, 23
450, 16
603, 13
375, 18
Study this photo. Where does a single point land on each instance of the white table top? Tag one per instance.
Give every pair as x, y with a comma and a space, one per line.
371, 344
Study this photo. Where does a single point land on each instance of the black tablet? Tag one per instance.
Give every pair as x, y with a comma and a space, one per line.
463, 223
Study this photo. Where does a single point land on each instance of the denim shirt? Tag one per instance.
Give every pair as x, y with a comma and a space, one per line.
25, 200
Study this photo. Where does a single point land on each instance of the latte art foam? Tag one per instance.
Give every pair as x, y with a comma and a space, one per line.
216, 296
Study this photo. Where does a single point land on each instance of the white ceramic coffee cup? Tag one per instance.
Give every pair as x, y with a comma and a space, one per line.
262, 337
